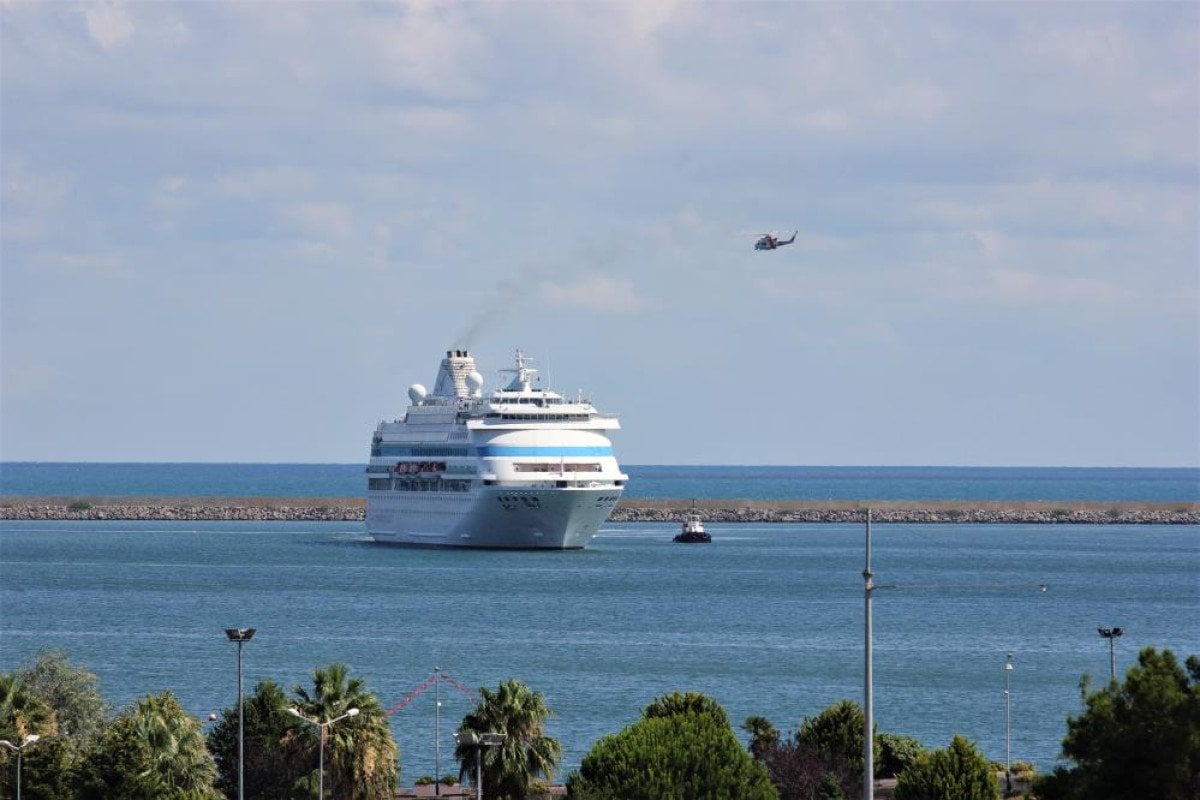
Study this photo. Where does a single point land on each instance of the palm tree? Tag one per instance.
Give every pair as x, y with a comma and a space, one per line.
179, 757
361, 758
763, 736
526, 754
22, 713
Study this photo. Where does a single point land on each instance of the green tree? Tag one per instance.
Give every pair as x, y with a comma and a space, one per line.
80, 711
22, 712
361, 757
48, 770
685, 703
527, 753
763, 736
684, 756
960, 772
153, 750
838, 731
276, 758
896, 754
1138, 739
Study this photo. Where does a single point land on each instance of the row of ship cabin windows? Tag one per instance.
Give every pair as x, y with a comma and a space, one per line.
555, 467
417, 485
539, 417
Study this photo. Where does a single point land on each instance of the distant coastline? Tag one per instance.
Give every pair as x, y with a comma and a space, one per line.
342, 509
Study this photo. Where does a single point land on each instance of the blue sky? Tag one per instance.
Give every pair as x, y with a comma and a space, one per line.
239, 231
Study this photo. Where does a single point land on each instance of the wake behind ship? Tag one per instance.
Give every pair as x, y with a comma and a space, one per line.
520, 468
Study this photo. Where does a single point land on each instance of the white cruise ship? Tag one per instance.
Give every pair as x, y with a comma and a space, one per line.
518, 468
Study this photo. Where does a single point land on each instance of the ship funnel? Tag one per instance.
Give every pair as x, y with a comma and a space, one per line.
454, 375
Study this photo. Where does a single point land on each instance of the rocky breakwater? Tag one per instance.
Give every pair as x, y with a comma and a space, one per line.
185, 509
269, 509
932, 512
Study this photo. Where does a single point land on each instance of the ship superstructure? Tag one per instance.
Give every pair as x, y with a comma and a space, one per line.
520, 467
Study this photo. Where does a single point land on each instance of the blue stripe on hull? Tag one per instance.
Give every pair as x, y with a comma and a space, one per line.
501, 450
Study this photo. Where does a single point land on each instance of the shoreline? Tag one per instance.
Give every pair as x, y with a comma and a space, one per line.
351, 509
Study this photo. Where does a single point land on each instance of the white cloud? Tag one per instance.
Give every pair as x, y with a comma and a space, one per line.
109, 24
594, 293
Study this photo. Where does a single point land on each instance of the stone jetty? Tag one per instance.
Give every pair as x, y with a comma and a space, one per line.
274, 509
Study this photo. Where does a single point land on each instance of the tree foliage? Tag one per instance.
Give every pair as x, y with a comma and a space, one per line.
527, 753
1138, 739
685, 703
838, 731
73, 694
763, 736
960, 772
275, 760
896, 754
22, 712
153, 750
361, 757
690, 755
801, 771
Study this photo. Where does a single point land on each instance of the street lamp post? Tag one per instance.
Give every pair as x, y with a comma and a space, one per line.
437, 731
1008, 668
478, 741
868, 683
18, 749
321, 726
1111, 634
241, 636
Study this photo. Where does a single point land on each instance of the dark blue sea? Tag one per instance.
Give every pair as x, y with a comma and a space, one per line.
668, 482
767, 619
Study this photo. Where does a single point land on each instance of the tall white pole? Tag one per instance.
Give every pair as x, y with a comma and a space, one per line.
437, 734
241, 729
1008, 667
868, 689
320, 761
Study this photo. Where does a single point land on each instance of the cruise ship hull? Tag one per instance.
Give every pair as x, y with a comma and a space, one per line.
492, 517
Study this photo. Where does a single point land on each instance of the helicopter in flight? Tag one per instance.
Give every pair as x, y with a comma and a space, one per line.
769, 241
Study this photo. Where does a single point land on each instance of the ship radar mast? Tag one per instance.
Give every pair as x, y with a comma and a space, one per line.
522, 374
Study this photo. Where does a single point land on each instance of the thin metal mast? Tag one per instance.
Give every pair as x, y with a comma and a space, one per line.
868, 689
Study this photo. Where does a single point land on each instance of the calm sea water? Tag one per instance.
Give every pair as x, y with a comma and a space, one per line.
767, 619
672, 482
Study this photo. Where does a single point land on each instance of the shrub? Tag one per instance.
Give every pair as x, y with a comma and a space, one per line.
896, 754
685, 703
79, 505
838, 730
685, 756
960, 772
424, 780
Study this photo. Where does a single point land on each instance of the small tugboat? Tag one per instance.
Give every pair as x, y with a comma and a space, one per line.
693, 529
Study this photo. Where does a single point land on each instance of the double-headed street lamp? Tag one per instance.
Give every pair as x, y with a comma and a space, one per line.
241, 636
1111, 634
18, 749
478, 741
321, 726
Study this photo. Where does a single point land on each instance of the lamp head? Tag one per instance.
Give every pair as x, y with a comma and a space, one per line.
352, 712
30, 739
295, 712
239, 634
